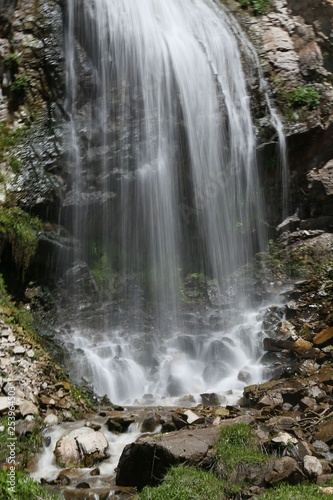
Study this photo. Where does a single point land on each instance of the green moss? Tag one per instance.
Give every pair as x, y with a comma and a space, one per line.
20, 230
237, 445
186, 483
25, 488
298, 492
258, 7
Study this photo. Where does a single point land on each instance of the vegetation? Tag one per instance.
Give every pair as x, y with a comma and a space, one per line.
304, 96
103, 274
237, 445
20, 230
26, 488
10, 138
19, 85
301, 262
186, 483
259, 7
297, 492
11, 62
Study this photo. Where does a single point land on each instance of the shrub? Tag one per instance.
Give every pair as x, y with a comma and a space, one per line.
19, 85
259, 7
305, 96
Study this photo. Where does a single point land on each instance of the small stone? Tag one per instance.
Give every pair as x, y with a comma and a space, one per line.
51, 420
284, 438
312, 466
4, 362
19, 350
31, 354
27, 408
327, 490
193, 418
307, 402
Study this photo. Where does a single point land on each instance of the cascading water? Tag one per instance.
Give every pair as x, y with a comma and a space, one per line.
165, 184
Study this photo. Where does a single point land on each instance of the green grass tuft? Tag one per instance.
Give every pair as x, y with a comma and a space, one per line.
186, 483
237, 445
297, 492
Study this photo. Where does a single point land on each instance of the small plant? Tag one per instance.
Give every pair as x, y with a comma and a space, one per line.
259, 7
304, 96
19, 85
186, 483
11, 62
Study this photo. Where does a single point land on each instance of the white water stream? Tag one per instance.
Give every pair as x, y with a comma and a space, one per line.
160, 122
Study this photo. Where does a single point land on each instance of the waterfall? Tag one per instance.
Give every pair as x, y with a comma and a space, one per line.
164, 184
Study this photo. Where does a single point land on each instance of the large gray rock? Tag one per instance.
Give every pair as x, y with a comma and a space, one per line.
146, 461
81, 448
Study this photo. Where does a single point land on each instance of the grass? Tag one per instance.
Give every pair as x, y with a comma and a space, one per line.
297, 492
25, 488
186, 483
237, 445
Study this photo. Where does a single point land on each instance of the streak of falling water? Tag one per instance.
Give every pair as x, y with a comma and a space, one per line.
161, 134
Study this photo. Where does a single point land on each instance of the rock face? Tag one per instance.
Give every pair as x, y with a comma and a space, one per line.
82, 447
146, 461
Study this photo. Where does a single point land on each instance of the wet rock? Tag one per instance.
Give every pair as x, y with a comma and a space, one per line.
81, 448
147, 460
212, 399
150, 423
119, 425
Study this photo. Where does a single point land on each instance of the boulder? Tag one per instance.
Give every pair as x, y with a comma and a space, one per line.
312, 466
324, 338
325, 432
146, 461
284, 469
81, 448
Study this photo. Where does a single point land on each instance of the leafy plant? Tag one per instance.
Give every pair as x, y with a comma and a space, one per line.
305, 96
259, 7
186, 483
